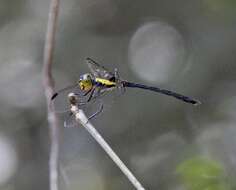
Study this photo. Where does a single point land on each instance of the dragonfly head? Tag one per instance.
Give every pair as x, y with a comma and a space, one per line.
85, 82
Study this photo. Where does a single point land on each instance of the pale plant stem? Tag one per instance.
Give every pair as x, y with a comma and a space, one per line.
81, 118
48, 84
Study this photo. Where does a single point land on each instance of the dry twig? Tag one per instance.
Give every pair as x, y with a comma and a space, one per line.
48, 84
81, 118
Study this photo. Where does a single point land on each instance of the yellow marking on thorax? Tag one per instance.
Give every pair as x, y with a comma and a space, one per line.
105, 81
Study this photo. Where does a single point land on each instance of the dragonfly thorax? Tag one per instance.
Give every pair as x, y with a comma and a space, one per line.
86, 82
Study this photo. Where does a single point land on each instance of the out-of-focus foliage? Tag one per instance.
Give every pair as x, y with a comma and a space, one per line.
203, 174
226, 6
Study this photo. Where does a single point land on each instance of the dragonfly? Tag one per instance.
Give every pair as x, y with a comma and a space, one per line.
100, 81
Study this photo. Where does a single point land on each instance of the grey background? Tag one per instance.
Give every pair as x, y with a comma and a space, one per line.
187, 46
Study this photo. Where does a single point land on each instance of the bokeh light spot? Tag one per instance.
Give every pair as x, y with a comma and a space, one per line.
8, 160
156, 51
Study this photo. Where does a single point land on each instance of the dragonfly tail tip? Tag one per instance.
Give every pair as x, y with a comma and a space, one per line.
197, 103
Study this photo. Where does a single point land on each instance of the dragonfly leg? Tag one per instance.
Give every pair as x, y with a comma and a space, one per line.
91, 94
69, 118
96, 113
86, 93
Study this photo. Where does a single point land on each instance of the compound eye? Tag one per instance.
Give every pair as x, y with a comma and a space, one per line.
87, 77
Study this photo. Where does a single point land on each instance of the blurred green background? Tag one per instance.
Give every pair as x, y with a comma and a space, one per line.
187, 46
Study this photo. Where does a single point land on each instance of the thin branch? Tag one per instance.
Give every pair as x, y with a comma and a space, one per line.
81, 118
48, 84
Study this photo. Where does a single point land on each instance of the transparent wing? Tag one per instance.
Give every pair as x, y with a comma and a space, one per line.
98, 70
70, 121
91, 109
100, 92
92, 113
60, 100
106, 97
